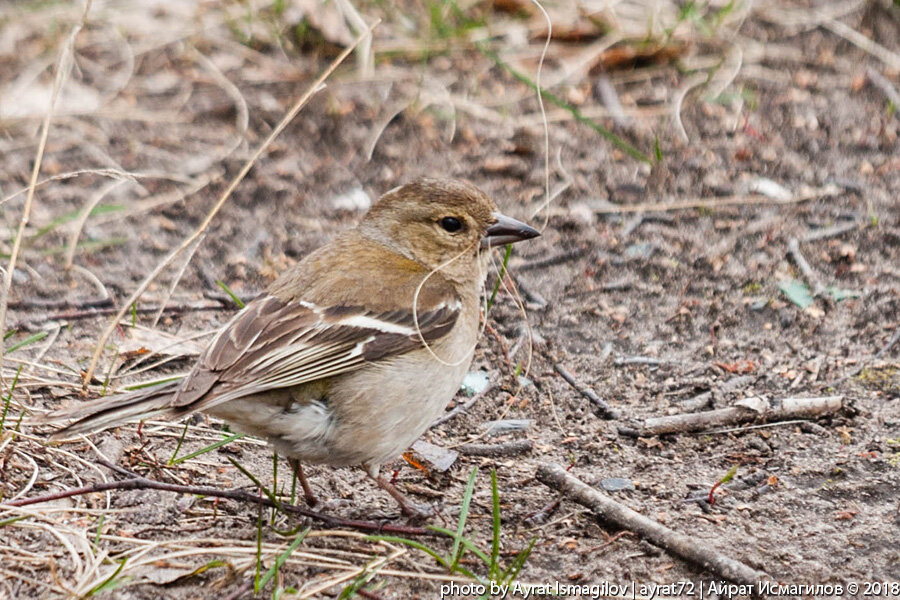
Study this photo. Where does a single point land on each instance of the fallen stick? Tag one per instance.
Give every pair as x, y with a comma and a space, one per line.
138, 482
505, 449
87, 313
606, 411
809, 274
743, 411
619, 515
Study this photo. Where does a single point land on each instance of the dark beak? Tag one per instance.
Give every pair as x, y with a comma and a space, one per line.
506, 230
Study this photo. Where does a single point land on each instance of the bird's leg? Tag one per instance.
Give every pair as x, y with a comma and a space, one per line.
308, 494
407, 506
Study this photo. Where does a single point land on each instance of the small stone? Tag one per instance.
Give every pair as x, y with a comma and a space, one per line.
506, 426
616, 484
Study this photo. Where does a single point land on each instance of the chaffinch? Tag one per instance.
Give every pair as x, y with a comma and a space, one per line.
350, 355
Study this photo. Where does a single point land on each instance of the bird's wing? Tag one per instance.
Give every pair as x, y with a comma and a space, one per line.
274, 344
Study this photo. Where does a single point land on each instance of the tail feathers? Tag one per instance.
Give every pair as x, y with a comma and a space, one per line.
109, 411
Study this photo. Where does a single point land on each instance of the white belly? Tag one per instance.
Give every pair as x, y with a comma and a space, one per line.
370, 416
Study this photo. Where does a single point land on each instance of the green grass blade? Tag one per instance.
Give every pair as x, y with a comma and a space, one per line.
178, 445
8, 399
456, 554
412, 544
234, 297
506, 256
466, 542
518, 562
109, 583
281, 558
206, 449
255, 481
29, 340
495, 529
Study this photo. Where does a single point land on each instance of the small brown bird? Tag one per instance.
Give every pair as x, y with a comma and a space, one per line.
351, 354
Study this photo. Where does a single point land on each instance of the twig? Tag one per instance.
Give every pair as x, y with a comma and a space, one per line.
885, 86
684, 546
461, 408
605, 410
38, 304
889, 58
227, 300
93, 201
137, 482
513, 448
830, 232
744, 411
718, 202
808, 273
64, 65
315, 87
890, 344
87, 313
689, 84
637, 360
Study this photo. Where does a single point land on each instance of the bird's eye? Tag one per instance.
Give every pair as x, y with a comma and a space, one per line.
451, 224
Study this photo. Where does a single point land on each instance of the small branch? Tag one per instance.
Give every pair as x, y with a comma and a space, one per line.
505, 449
87, 313
637, 360
890, 344
39, 304
143, 483
619, 515
719, 202
808, 273
605, 410
745, 411
830, 232
884, 86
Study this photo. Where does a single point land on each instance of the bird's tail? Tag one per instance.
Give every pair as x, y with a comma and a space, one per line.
94, 415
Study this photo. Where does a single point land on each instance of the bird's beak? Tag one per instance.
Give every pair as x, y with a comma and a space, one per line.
506, 230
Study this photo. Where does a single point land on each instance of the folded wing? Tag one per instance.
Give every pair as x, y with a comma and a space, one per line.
274, 344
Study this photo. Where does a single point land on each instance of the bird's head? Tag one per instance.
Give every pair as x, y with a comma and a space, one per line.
442, 223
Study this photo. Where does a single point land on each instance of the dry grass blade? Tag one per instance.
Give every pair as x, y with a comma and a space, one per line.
64, 64
891, 59
295, 109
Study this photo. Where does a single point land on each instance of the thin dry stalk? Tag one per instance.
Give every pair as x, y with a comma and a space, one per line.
176, 280
83, 217
689, 84
742, 200
891, 59
62, 73
316, 86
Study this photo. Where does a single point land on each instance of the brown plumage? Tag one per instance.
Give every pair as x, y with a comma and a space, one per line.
353, 352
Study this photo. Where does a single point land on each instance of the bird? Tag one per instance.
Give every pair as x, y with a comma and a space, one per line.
351, 354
